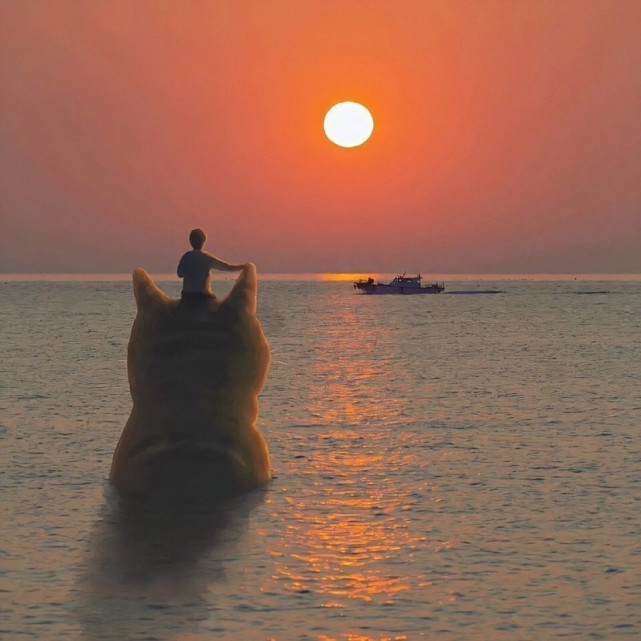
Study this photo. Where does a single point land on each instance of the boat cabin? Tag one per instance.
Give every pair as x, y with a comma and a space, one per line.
406, 281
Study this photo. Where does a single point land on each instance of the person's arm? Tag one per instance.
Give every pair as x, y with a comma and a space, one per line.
217, 263
181, 268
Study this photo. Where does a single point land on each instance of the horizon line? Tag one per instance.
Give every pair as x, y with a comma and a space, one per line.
320, 276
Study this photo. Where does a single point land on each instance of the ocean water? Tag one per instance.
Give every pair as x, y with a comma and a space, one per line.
445, 467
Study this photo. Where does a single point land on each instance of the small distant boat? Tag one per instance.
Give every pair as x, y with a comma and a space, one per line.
399, 285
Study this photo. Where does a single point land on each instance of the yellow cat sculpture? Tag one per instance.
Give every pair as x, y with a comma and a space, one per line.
195, 371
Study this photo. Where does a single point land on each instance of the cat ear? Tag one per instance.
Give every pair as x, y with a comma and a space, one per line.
243, 294
146, 291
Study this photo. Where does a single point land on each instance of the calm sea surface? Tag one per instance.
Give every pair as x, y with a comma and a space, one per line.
446, 467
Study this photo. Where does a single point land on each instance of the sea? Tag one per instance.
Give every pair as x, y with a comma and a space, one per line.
445, 467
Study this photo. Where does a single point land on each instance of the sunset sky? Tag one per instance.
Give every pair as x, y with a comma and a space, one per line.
507, 135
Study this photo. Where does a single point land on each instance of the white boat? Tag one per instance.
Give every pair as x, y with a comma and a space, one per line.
399, 285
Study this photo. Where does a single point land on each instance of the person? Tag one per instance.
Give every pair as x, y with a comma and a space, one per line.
195, 268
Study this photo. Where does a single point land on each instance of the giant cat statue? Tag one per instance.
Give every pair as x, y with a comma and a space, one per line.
195, 372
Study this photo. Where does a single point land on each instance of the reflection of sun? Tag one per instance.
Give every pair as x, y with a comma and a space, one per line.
344, 276
350, 531
352, 384
343, 548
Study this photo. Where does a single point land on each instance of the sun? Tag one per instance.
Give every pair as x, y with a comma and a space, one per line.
348, 124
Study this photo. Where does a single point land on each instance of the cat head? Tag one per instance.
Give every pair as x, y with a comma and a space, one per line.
195, 348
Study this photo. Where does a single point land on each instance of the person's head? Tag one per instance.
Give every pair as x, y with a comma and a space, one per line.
197, 238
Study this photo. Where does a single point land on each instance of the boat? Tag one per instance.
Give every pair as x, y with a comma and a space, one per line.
399, 285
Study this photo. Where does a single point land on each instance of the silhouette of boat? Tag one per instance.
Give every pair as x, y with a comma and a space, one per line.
399, 285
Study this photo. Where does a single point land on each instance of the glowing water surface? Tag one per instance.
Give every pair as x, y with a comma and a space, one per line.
446, 467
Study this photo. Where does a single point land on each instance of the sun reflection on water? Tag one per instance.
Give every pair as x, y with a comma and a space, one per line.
339, 555
362, 637
356, 528
351, 387
350, 537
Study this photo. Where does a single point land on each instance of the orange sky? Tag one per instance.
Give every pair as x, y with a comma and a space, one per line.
507, 135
